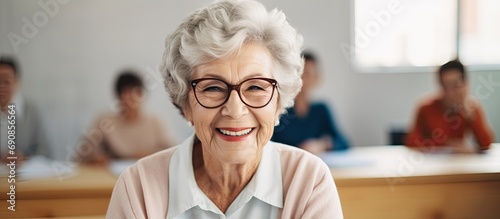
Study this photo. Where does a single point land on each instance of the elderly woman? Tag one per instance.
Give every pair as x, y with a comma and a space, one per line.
231, 68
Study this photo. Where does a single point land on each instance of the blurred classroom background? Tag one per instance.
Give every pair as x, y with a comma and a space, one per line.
378, 58
69, 61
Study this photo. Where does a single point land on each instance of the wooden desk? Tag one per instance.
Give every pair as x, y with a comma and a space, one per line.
85, 194
396, 183
401, 183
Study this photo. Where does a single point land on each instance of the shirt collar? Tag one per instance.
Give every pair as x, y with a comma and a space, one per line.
184, 193
267, 183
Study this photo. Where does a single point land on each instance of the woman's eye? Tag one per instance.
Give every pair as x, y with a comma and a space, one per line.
254, 87
213, 89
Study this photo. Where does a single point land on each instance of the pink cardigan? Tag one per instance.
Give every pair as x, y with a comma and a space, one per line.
308, 187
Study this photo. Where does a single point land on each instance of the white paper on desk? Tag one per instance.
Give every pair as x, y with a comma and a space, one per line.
344, 159
38, 167
118, 166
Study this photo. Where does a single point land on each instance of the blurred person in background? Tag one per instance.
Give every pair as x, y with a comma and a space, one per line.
310, 125
129, 133
29, 139
232, 68
444, 120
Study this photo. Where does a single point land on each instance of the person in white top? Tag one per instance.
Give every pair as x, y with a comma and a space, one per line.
129, 133
232, 68
25, 121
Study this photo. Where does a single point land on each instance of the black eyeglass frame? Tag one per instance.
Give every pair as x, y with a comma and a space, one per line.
232, 87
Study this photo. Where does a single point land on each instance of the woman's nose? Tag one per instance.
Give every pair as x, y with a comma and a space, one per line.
234, 107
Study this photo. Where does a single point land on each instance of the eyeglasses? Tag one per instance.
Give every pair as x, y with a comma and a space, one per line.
254, 92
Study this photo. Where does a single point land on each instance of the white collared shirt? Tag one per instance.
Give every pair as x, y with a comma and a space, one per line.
261, 198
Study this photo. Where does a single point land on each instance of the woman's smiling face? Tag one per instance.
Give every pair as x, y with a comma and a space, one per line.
234, 132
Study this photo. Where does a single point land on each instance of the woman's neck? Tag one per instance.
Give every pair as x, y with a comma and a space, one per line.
221, 182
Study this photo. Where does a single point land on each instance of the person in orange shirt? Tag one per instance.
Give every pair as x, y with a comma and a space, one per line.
445, 120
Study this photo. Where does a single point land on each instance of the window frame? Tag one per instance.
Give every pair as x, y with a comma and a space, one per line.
409, 69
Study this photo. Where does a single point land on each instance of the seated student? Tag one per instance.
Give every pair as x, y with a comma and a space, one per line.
445, 119
29, 137
307, 125
129, 133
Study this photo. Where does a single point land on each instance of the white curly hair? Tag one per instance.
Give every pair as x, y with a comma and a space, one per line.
220, 30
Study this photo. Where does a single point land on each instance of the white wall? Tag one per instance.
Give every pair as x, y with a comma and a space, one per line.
70, 63
4, 17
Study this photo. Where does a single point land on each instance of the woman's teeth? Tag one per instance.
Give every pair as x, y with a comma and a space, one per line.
238, 133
